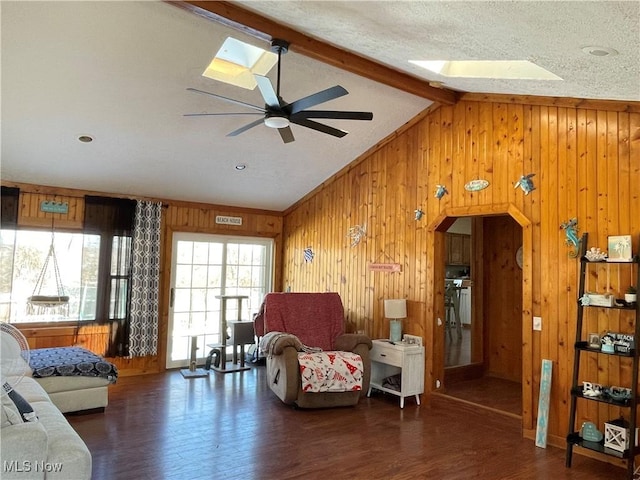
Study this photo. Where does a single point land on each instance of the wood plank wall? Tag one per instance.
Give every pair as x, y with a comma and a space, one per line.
586, 163
586, 157
178, 217
502, 290
29, 214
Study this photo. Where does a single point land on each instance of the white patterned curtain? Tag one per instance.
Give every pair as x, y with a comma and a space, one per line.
145, 281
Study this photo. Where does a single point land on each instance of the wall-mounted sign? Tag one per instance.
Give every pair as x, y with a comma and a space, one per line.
476, 185
51, 206
225, 220
385, 267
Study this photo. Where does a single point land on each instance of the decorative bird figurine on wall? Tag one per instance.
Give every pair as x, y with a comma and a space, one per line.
526, 184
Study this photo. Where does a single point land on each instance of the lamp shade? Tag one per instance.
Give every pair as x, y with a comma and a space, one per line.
395, 308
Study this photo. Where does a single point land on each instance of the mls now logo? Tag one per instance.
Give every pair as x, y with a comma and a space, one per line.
27, 466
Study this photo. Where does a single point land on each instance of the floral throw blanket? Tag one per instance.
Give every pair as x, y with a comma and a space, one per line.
70, 361
330, 371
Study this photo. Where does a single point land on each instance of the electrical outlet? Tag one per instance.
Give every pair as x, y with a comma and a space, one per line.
537, 323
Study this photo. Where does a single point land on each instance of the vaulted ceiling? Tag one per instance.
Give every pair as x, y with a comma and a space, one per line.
118, 72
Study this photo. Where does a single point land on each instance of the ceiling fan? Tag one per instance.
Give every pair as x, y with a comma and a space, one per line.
279, 114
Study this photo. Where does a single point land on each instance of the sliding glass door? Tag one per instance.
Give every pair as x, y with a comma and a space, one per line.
204, 267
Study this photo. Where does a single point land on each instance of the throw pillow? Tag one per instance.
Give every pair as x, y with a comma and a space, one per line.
16, 408
7, 416
10, 413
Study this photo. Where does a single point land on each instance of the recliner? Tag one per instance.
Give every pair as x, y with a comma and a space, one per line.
293, 321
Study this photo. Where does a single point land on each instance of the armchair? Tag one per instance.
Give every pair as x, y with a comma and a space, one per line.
293, 322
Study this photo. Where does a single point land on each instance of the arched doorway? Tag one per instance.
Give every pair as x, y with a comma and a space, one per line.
483, 303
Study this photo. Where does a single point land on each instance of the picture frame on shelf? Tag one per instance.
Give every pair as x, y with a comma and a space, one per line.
622, 342
594, 340
597, 300
619, 248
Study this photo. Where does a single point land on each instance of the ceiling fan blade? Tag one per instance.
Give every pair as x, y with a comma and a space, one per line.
267, 91
333, 114
286, 134
317, 98
220, 114
255, 123
320, 127
226, 99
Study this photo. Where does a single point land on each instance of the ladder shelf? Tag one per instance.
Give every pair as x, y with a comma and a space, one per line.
582, 347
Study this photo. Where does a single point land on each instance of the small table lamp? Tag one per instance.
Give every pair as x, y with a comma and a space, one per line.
395, 310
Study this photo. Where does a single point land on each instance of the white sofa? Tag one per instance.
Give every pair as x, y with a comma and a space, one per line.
48, 448
36, 441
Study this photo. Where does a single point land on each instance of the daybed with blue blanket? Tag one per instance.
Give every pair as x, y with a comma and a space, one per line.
75, 378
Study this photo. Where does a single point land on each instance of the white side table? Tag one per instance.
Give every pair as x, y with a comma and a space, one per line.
398, 358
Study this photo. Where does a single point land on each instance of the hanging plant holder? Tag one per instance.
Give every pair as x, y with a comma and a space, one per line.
55, 304
48, 300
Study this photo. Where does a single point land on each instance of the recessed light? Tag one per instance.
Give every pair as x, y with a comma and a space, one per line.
599, 51
85, 138
241, 166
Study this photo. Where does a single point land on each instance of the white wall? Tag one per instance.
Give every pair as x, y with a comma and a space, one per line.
461, 225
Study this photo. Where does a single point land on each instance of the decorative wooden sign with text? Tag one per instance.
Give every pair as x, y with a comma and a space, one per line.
225, 220
543, 404
385, 267
51, 206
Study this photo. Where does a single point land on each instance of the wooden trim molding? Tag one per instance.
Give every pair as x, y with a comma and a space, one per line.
80, 194
475, 210
250, 23
566, 102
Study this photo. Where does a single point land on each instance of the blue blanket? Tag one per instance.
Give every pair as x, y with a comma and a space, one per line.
70, 361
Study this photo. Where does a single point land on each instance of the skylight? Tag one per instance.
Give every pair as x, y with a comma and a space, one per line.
498, 69
236, 62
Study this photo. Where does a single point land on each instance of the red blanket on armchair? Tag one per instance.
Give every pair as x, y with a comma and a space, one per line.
317, 319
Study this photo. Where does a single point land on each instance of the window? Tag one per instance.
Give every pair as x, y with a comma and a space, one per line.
23, 254
119, 277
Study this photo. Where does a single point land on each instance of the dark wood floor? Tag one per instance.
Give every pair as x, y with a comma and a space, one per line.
490, 392
457, 350
230, 426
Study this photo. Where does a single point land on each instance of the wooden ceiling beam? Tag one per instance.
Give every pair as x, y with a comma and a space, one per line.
233, 16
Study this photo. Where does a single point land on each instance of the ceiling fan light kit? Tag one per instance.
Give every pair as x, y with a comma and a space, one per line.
276, 121
279, 114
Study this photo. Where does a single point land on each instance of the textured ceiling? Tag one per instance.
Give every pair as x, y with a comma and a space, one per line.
548, 33
119, 72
